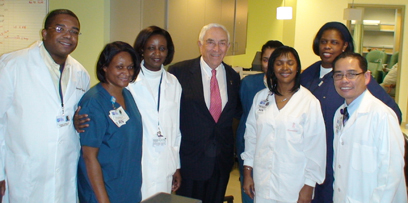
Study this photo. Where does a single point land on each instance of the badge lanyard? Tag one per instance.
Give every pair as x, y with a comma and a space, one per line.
60, 88
113, 101
158, 108
62, 120
264, 103
159, 134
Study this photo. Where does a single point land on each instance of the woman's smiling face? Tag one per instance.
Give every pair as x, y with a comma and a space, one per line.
331, 45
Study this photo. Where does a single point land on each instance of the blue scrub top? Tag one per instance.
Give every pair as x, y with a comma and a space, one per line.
250, 85
323, 89
120, 148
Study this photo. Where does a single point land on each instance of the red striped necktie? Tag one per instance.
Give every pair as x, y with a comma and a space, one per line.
215, 103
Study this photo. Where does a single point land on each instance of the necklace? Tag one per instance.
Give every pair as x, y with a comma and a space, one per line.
285, 99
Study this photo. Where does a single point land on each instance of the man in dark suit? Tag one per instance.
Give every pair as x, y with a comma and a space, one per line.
209, 102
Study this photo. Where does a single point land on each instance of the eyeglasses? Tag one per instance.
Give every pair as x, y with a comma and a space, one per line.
61, 29
350, 76
212, 43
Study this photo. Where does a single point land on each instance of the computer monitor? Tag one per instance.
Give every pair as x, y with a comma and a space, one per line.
169, 198
256, 63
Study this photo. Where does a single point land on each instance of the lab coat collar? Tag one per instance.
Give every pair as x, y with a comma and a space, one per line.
361, 109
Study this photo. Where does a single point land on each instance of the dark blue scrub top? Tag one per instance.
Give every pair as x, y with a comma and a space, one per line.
120, 149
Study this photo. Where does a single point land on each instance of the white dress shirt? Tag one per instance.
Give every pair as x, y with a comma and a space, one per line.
222, 82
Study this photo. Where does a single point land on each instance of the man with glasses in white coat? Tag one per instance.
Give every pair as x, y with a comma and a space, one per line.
40, 88
368, 143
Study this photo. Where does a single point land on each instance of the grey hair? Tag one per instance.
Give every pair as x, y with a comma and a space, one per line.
209, 26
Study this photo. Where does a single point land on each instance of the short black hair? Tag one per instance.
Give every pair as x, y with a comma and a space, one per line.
343, 31
271, 44
148, 32
272, 80
109, 52
51, 15
362, 62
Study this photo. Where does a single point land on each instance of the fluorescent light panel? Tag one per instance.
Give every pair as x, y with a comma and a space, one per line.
284, 13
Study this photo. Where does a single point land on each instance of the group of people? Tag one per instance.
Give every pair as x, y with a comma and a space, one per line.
298, 142
323, 135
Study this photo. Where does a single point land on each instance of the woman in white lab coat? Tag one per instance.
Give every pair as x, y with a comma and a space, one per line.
160, 110
285, 142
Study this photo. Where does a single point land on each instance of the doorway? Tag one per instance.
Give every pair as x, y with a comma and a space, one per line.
380, 32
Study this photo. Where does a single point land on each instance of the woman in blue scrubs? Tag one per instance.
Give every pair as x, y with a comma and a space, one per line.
110, 162
331, 40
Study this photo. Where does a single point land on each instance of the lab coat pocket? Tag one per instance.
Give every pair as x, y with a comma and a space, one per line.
171, 164
19, 171
291, 179
294, 130
364, 158
350, 200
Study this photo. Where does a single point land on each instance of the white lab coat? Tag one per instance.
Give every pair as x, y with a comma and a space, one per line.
287, 147
39, 159
369, 155
158, 167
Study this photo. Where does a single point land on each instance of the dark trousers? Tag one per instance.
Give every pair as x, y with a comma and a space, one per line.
209, 191
324, 192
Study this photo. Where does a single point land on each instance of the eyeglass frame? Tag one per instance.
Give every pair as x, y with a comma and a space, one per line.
212, 43
347, 75
61, 29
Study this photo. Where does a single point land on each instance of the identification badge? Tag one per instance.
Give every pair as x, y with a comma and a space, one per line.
62, 120
262, 105
118, 116
339, 126
159, 144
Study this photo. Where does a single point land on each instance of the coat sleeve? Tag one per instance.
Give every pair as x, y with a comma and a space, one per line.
250, 136
390, 161
314, 145
6, 95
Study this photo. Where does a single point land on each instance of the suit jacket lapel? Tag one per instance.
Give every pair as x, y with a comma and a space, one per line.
229, 83
197, 86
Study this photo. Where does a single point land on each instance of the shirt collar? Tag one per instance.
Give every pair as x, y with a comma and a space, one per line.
148, 73
324, 71
206, 68
352, 107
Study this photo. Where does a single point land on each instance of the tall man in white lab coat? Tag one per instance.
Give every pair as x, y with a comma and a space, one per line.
368, 143
39, 89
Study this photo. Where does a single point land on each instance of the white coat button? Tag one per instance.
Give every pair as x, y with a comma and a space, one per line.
339, 166
342, 143
339, 190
